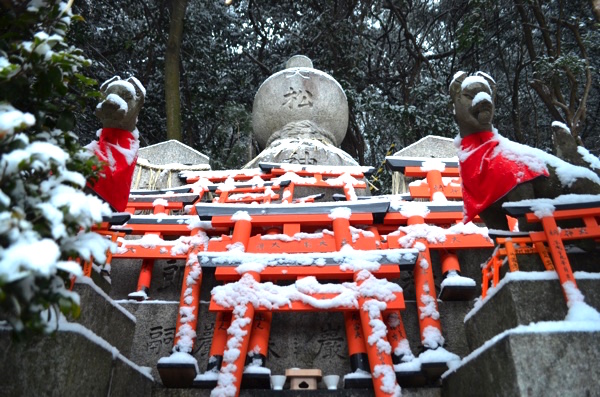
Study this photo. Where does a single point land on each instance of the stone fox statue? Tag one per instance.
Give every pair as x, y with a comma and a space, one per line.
118, 140
495, 170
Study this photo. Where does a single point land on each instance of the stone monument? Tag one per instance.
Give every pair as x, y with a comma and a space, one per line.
300, 116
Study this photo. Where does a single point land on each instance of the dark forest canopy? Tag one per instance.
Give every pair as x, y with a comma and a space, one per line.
395, 60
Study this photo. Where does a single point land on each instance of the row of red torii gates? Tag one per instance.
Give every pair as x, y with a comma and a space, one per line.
307, 231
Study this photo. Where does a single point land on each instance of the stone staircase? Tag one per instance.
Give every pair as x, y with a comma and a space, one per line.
90, 357
521, 345
113, 348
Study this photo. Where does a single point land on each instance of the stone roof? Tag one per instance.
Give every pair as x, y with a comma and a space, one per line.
430, 146
170, 152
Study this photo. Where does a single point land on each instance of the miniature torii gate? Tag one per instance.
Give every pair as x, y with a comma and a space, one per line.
588, 211
290, 219
181, 225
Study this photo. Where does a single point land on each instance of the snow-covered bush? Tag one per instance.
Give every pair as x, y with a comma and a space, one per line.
45, 217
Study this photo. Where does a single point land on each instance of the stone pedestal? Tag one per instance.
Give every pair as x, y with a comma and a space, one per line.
65, 364
531, 364
521, 302
104, 317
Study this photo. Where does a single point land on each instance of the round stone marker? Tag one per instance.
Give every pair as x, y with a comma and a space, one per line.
298, 93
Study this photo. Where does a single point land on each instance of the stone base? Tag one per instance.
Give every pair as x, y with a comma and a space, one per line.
66, 364
154, 332
520, 302
531, 364
104, 317
321, 392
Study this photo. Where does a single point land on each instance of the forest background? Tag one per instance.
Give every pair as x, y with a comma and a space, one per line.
203, 61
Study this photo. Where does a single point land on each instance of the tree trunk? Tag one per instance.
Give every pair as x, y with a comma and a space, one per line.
172, 90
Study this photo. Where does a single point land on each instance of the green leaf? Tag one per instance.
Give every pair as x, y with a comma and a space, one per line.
66, 121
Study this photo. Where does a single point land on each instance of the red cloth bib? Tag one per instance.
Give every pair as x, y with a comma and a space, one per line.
486, 174
118, 150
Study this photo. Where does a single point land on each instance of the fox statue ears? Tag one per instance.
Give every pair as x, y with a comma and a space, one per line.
140, 91
459, 77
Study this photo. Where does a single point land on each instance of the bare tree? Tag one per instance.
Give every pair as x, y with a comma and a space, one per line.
562, 77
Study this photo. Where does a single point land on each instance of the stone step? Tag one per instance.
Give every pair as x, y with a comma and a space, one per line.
72, 361
531, 361
406, 392
105, 317
522, 298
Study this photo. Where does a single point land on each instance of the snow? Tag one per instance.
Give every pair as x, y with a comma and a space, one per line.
411, 208
403, 350
186, 333
241, 215
589, 158
173, 166
160, 202
438, 197
255, 366
348, 259
340, 212
254, 196
438, 355
358, 374
378, 328
139, 85
388, 379
561, 125
221, 174
469, 80
527, 276
433, 164
454, 279
345, 179
578, 309
324, 169
542, 327
138, 294
545, 207
179, 358
117, 100
481, 97
432, 336
536, 159
125, 85
147, 302
413, 365
12, 119
271, 296
207, 376
65, 326
433, 234
88, 281
26, 254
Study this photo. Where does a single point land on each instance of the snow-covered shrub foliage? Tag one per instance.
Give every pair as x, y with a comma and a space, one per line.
45, 217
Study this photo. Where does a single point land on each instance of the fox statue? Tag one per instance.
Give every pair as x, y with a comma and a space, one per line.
495, 170
118, 139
